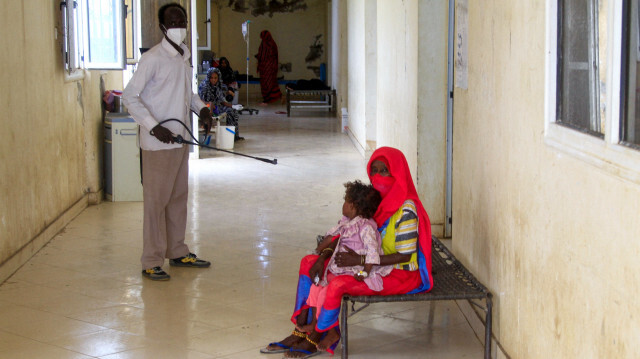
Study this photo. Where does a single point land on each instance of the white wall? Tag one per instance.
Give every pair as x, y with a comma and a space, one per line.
397, 118
553, 237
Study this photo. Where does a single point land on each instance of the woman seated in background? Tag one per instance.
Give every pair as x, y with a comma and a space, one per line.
214, 93
228, 78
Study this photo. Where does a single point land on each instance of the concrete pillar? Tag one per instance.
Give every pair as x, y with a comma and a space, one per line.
371, 74
397, 77
357, 74
339, 52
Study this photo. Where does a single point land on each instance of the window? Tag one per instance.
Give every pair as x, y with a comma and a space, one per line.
132, 30
578, 80
93, 34
592, 77
630, 127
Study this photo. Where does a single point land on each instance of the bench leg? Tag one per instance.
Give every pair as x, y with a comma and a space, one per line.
344, 337
288, 103
487, 329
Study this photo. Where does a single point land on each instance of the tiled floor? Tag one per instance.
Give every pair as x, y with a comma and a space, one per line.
82, 296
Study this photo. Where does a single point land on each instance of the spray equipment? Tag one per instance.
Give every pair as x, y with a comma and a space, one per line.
195, 142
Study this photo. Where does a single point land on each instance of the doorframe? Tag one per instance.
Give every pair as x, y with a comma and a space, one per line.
449, 136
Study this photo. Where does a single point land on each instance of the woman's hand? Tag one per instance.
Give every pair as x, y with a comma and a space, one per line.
324, 243
317, 268
349, 258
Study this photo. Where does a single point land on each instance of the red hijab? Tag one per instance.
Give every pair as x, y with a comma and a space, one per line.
402, 190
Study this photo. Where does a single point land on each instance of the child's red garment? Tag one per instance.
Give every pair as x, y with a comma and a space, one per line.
361, 235
318, 294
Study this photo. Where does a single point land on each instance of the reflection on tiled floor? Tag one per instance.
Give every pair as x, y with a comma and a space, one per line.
82, 296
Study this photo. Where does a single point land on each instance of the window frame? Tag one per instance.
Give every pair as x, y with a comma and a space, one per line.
607, 153
628, 14
592, 65
119, 27
76, 41
136, 33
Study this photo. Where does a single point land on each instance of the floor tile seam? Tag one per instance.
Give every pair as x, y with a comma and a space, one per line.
453, 311
378, 344
65, 316
216, 353
44, 343
408, 321
56, 339
76, 315
68, 290
233, 327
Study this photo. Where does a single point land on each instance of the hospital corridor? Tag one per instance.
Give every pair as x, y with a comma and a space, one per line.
82, 295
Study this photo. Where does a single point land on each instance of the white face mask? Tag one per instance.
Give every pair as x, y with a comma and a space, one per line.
177, 34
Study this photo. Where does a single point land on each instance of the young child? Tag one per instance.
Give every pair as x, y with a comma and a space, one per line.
358, 232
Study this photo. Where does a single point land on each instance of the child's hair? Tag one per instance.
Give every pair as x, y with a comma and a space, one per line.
365, 198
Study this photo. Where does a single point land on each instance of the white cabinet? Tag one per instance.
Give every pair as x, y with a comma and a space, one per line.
121, 158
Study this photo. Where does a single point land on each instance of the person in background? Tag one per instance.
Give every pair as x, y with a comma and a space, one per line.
160, 89
214, 92
228, 78
268, 69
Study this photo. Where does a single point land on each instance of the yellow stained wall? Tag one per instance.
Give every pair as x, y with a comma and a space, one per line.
554, 238
51, 148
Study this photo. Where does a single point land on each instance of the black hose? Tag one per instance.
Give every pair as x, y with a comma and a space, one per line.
179, 139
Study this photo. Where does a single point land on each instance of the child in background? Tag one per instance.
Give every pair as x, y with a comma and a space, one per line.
357, 232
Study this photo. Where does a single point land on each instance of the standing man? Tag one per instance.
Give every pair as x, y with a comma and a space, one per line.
160, 89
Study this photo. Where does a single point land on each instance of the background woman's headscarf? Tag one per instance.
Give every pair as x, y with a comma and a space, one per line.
267, 52
226, 73
402, 190
209, 92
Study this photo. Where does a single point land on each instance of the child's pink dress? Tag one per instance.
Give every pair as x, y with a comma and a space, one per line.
362, 236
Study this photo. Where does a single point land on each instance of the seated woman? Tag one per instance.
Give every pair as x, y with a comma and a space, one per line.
228, 78
214, 92
406, 243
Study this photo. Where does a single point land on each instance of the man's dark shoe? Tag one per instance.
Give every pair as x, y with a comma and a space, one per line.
190, 260
155, 273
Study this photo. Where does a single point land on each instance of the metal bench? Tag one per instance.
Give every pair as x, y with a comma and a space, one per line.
310, 99
452, 281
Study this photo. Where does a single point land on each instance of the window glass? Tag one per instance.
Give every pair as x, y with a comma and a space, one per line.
578, 103
104, 45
